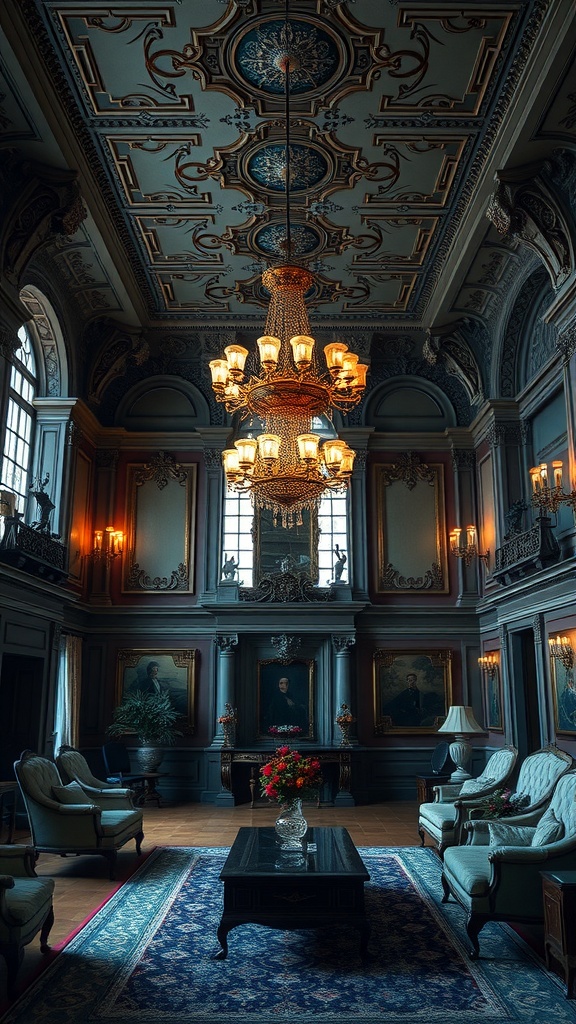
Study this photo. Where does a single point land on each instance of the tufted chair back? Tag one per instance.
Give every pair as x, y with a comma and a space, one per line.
498, 769
36, 776
563, 804
538, 775
73, 767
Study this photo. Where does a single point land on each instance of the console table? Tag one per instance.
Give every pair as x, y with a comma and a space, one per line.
231, 756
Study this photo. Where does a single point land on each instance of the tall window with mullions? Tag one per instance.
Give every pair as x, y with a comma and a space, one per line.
19, 426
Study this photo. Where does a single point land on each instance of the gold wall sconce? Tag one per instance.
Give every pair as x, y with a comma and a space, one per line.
561, 649
469, 549
489, 664
547, 491
108, 545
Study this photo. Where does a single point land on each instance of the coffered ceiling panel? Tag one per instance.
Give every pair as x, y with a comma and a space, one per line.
177, 113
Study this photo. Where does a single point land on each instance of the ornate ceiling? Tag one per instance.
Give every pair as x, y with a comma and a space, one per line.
173, 114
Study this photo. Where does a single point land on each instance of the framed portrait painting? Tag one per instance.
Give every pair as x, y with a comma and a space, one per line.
151, 671
285, 697
493, 700
564, 696
412, 690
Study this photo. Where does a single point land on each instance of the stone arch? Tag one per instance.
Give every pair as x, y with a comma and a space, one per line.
44, 326
163, 403
409, 404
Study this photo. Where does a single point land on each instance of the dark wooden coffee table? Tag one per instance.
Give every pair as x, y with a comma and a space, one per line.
319, 885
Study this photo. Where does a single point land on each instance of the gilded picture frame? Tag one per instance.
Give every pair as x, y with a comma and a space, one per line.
150, 670
294, 703
493, 710
410, 523
564, 697
412, 690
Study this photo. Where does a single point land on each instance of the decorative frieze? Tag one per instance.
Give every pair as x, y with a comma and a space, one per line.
392, 579
139, 579
287, 588
409, 469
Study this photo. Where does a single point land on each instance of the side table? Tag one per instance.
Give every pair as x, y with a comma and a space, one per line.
425, 785
559, 897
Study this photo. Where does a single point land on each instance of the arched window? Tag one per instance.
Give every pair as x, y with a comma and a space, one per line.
20, 418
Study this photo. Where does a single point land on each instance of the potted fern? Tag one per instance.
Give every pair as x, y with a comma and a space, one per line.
153, 717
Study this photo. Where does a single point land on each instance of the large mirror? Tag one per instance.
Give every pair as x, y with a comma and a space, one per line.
278, 549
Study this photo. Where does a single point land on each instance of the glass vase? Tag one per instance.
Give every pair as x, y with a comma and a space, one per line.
291, 825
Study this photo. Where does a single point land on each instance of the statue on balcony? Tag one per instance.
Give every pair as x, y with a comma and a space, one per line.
45, 505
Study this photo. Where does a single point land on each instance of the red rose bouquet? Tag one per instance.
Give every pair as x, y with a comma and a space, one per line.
289, 776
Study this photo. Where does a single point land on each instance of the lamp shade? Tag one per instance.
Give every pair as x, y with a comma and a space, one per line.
460, 720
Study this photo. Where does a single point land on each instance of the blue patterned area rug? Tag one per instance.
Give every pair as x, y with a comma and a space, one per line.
147, 955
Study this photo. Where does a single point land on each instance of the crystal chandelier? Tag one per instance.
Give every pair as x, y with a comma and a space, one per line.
285, 466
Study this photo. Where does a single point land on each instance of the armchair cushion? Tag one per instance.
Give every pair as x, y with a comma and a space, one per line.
473, 786
549, 829
71, 794
510, 835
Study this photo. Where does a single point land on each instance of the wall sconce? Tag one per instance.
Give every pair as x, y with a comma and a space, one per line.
561, 649
547, 496
489, 664
108, 545
469, 550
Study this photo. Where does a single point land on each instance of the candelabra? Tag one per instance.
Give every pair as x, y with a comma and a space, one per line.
469, 550
561, 649
108, 545
548, 497
489, 664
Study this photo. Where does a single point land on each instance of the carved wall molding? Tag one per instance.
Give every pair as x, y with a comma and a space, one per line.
287, 588
161, 468
506, 433
392, 579
38, 203
566, 342
343, 643
451, 346
139, 579
409, 469
463, 458
526, 207
287, 646
118, 348
226, 644
537, 627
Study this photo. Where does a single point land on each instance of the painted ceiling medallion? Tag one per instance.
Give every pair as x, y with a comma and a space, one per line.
267, 167
271, 240
261, 55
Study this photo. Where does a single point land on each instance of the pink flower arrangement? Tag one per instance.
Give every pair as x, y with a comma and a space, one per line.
284, 730
288, 775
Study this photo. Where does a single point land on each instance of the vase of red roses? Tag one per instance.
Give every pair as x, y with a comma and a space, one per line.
288, 778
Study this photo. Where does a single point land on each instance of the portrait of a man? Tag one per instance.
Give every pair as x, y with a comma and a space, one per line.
411, 690
151, 672
285, 696
564, 697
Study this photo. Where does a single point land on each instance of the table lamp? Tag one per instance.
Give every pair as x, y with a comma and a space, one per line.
461, 722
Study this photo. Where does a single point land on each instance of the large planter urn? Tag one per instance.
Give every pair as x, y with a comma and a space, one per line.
149, 758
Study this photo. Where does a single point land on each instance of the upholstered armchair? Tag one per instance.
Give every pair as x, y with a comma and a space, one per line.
443, 818
73, 767
25, 908
538, 775
500, 880
65, 819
